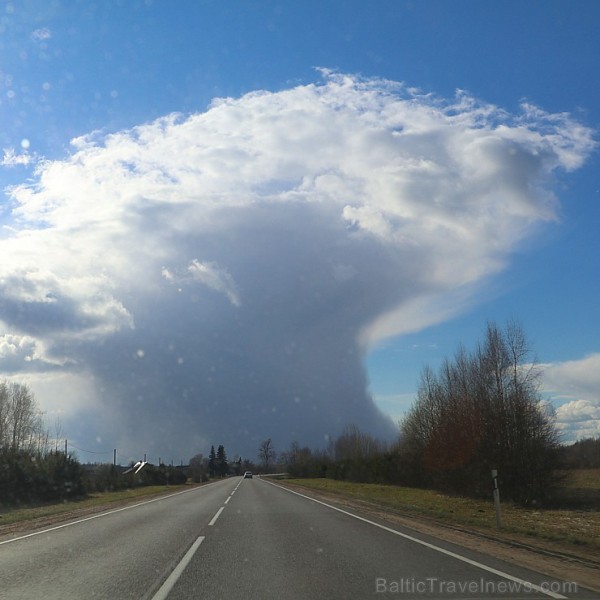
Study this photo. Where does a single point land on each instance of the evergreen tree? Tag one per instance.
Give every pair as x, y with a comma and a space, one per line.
222, 465
212, 462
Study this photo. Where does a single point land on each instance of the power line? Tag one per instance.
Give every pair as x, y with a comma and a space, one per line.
113, 452
89, 451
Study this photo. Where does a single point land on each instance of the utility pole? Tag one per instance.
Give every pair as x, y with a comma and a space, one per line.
66, 445
115, 457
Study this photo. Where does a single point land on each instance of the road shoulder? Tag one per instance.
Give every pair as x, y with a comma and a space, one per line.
538, 555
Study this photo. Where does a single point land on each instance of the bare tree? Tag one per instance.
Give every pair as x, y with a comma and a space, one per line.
21, 424
4, 414
199, 468
266, 453
58, 433
353, 444
481, 411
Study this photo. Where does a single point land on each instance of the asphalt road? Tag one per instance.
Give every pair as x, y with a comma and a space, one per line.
251, 539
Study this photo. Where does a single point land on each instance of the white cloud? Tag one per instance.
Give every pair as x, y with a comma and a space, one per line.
41, 34
576, 376
578, 411
12, 159
15, 349
68, 399
209, 274
579, 419
575, 386
326, 217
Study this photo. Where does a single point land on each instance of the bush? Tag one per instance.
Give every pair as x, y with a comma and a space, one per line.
26, 477
106, 478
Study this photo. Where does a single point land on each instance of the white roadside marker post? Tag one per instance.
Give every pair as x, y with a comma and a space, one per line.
497, 499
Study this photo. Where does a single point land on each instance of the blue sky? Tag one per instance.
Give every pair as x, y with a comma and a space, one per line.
75, 69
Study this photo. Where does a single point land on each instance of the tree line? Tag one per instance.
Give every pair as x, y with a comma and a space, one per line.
481, 410
203, 468
583, 454
217, 464
30, 471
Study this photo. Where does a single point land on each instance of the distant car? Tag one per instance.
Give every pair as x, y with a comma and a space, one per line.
248, 475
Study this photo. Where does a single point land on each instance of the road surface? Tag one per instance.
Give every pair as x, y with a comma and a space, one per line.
246, 539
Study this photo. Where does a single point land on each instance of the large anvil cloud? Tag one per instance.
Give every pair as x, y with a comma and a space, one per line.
219, 277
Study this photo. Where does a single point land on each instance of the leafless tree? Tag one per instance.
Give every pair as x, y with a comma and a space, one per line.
483, 410
4, 414
199, 468
353, 444
266, 453
21, 423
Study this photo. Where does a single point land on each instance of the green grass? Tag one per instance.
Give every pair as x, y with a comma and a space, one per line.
587, 479
16, 514
571, 526
580, 489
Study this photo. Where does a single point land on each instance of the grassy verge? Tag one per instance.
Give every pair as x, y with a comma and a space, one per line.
584, 479
577, 527
581, 489
10, 515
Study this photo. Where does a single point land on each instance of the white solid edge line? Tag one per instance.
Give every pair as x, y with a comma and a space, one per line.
104, 514
502, 574
217, 515
171, 580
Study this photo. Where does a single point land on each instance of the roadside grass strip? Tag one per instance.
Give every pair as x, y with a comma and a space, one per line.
579, 527
520, 582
